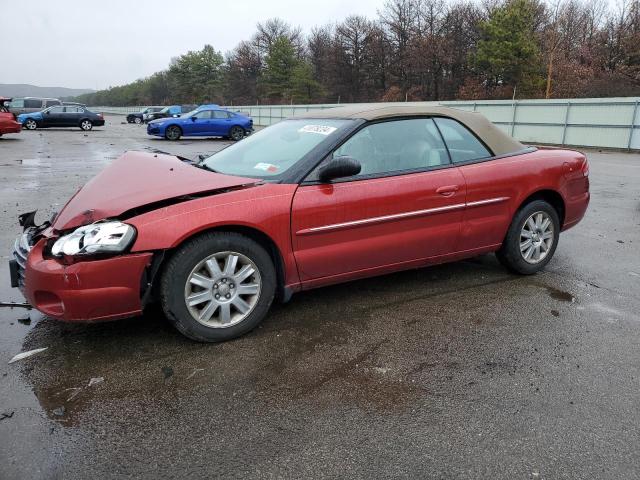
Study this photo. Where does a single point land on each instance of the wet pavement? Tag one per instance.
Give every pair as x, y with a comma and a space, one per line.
456, 371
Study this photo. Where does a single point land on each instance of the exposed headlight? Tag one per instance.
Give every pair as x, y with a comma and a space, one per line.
104, 237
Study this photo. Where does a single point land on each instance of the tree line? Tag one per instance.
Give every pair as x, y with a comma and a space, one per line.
414, 50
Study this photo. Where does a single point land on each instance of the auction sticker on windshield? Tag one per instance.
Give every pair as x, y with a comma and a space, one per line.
267, 167
321, 129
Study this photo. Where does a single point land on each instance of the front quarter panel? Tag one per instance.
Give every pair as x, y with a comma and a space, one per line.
266, 208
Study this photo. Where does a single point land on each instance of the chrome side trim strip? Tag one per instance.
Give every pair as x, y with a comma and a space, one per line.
398, 216
488, 201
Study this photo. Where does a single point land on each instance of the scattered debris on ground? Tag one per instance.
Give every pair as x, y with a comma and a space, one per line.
4, 415
16, 305
95, 381
22, 355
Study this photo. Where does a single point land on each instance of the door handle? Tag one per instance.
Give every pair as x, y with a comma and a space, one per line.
448, 190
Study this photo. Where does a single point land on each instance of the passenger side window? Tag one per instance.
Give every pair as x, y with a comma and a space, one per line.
71, 109
463, 145
220, 114
395, 146
56, 110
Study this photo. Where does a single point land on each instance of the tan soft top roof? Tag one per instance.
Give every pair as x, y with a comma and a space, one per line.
499, 142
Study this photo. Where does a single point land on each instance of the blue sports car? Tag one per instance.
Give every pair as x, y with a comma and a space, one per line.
207, 122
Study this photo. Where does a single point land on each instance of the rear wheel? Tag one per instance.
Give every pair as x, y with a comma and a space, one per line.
86, 125
30, 124
236, 133
218, 286
173, 132
532, 238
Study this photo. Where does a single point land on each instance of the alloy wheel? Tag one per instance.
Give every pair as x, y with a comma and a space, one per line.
173, 133
86, 125
536, 237
237, 133
30, 124
223, 289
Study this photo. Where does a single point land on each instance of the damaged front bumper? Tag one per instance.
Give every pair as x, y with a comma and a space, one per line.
88, 290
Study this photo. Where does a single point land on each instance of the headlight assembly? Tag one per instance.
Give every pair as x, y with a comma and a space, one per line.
97, 238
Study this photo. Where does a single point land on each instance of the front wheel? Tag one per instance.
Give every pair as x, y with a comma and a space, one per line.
532, 238
30, 124
236, 133
218, 286
173, 133
86, 125
137, 120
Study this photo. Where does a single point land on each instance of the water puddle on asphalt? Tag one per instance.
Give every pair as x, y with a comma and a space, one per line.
561, 295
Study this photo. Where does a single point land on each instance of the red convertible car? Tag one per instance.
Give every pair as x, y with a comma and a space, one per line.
336, 195
8, 123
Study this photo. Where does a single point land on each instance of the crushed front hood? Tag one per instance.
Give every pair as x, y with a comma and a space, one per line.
137, 180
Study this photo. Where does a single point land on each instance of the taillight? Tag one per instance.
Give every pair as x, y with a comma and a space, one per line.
585, 167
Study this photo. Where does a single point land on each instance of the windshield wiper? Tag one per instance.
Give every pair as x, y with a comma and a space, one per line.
204, 166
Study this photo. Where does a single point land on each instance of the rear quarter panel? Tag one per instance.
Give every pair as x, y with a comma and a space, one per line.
516, 178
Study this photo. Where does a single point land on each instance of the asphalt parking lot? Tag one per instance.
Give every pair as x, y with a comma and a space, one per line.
456, 371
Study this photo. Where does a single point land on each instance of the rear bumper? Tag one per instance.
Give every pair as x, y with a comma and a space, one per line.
575, 209
98, 123
93, 290
11, 127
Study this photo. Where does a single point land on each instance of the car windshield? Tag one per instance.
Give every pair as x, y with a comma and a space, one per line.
272, 151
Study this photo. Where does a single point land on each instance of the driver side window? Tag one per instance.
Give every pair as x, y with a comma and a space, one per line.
204, 115
396, 146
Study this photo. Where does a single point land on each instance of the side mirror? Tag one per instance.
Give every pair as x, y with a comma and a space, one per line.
339, 167
47, 112
193, 119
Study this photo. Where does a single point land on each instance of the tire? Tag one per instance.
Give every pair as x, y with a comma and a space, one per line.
30, 124
137, 120
236, 133
534, 227
190, 273
86, 124
173, 133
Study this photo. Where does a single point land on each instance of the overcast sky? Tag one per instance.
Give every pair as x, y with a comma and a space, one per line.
95, 44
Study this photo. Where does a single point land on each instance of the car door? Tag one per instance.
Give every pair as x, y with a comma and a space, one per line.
405, 206
70, 117
221, 122
199, 124
53, 117
492, 184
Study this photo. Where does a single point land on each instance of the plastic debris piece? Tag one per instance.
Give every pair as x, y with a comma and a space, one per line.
58, 412
22, 355
95, 381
